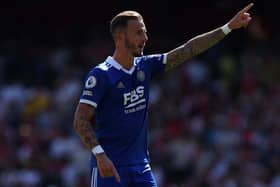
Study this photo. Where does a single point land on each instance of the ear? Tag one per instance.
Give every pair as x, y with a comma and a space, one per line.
119, 35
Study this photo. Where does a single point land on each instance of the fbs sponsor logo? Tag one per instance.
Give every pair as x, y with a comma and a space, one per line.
134, 99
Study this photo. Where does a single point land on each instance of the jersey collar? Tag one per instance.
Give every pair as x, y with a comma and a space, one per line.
110, 60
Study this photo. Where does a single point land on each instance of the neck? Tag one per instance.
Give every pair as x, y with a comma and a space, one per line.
125, 59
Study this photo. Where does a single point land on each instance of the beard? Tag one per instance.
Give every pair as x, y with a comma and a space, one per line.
133, 48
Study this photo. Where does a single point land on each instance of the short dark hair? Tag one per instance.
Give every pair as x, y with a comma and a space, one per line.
121, 19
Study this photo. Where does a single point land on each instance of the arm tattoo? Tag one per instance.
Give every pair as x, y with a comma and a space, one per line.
193, 47
83, 126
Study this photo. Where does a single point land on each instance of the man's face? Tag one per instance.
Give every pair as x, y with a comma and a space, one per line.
135, 37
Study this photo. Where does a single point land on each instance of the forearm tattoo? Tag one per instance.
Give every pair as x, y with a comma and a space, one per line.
193, 47
83, 125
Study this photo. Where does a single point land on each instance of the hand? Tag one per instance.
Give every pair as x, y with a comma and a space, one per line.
106, 166
241, 19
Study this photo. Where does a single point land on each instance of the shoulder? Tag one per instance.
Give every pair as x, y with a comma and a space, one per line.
150, 58
104, 67
98, 74
101, 69
106, 73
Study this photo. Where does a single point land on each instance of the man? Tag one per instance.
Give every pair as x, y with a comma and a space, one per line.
116, 94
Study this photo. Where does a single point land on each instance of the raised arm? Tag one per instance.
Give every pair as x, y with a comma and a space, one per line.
204, 41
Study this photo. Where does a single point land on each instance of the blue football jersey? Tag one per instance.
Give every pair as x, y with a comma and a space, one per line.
121, 100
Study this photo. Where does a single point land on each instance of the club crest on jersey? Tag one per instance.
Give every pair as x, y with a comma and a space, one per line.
141, 75
91, 82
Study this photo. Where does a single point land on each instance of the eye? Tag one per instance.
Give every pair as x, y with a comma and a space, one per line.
141, 32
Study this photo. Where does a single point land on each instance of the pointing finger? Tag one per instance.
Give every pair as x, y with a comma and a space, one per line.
247, 8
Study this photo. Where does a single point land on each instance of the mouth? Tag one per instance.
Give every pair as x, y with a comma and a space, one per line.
141, 46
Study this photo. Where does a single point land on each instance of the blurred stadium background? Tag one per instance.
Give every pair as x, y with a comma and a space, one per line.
214, 121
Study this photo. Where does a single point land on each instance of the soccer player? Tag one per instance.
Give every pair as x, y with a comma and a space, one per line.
116, 96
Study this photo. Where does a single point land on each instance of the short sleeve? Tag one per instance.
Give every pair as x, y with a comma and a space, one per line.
156, 63
94, 89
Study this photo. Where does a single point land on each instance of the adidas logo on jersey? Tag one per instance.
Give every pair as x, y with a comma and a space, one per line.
120, 85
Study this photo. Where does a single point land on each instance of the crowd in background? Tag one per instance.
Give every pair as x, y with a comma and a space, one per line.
213, 121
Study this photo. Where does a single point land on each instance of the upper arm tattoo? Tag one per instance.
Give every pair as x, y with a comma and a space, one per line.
83, 126
193, 47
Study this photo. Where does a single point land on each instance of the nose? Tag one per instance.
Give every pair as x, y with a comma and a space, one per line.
145, 37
